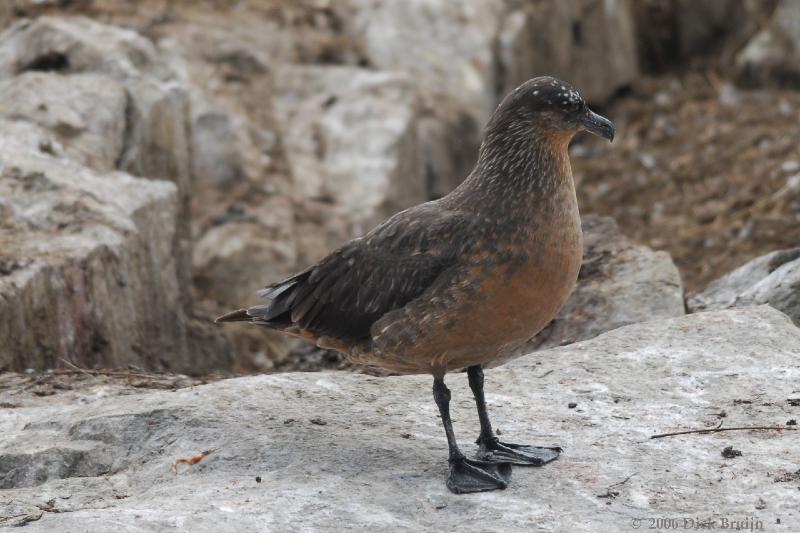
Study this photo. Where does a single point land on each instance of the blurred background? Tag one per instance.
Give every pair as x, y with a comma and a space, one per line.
161, 160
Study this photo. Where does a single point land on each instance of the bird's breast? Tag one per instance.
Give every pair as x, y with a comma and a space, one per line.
522, 295
509, 286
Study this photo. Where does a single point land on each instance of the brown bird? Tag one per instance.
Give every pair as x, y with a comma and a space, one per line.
459, 282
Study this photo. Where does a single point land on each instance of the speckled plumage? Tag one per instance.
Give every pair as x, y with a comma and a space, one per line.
463, 280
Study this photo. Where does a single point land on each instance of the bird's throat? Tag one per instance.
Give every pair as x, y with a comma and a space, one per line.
527, 178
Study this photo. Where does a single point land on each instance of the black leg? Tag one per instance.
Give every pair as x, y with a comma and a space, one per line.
475, 376
491, 449
466, 475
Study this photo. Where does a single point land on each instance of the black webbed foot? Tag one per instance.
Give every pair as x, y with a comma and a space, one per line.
468, 475
518, 454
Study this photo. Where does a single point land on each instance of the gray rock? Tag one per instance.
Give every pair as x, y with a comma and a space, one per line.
157, 146
75, 44
448, 51
235, 138
671, 33
6, 14
351, 136
87, 266
449, 141
447, 48
243, 214
620, 283
249, 225
719, 26
464, 56
86, 112
235, 259
589, 43
773, 54
772, 279
379, 461
140, 120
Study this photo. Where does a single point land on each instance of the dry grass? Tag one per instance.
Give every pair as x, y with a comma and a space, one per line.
700, 169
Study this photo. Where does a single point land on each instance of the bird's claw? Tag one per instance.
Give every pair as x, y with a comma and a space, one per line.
469, 475
493, 450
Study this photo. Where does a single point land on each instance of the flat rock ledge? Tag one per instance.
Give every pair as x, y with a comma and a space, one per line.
339, 451
772, 279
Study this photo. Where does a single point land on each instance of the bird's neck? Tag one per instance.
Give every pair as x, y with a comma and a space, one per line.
518, 175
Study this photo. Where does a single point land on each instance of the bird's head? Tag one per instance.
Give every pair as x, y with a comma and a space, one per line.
550, 109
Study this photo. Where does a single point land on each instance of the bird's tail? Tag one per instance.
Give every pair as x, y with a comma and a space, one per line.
276, 313
266, 315
239, 315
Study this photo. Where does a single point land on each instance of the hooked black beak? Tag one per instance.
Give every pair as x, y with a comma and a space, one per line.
594, 123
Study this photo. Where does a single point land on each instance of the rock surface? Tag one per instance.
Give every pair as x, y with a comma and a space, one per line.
262, 112
446, 50
589, 43
243, 212
620, 283
86, 112
6, 14
772, 279
110, 100
670, 33
87, 264
773, 54
330, 451
445, 47
351, 136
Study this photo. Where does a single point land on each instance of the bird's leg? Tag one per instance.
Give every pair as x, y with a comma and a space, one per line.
467, 475
491, 449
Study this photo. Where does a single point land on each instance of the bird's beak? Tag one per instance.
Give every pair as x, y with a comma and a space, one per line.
594, 123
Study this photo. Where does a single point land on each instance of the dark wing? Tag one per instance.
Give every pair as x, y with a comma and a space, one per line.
345, 293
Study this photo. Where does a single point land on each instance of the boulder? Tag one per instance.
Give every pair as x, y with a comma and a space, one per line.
242, 210
244, 213
139, 122
722, 26
351, 136
671, 33
589, 43
87, 266
464, 56
85, 112
449, 139
235, 259
202, 92
773, 54
772, 279
75, 44
475, 52
447, 48
157, 147
235, 138
620, 283
323, 451
6, 14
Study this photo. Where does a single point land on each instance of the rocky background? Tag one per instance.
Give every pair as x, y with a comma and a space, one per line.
161, 160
